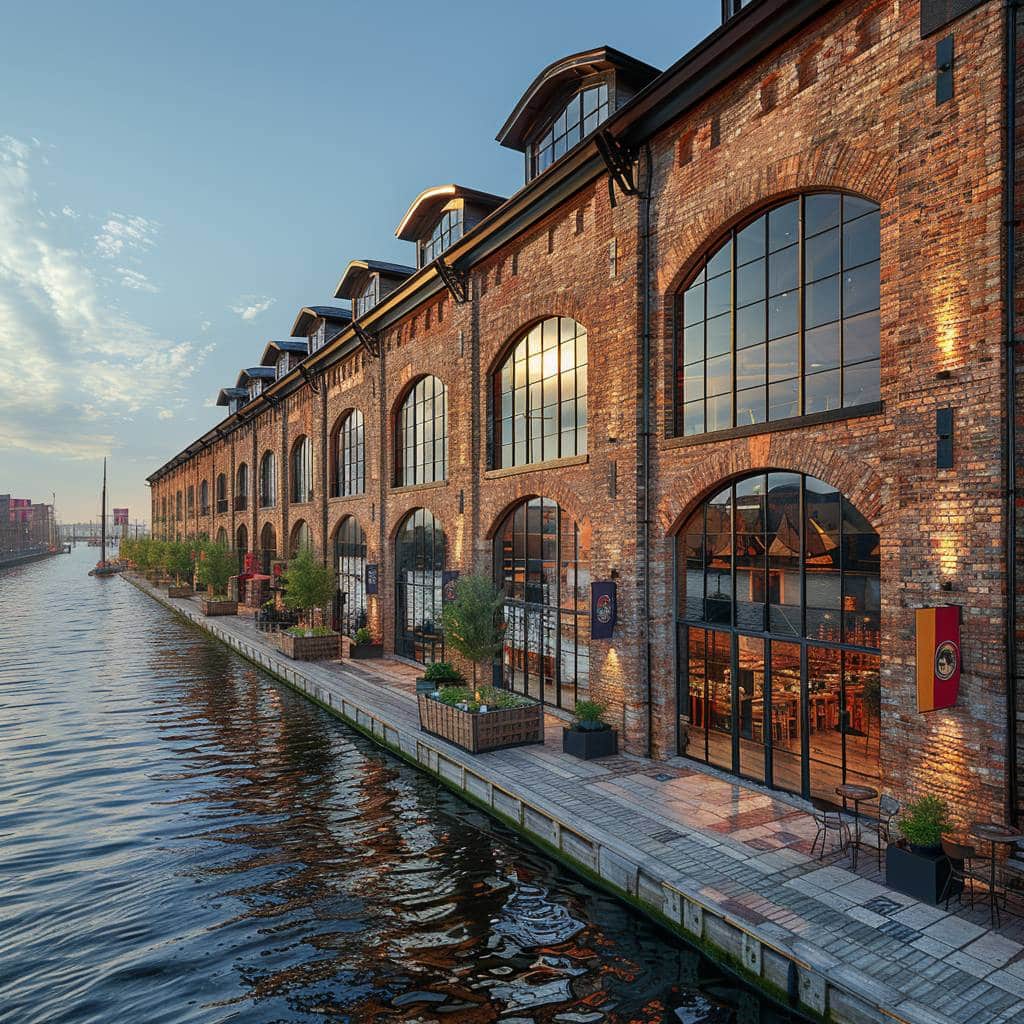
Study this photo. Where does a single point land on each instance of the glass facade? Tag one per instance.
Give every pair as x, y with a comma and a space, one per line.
242, 488
782, 320
419, 587
349, 455
446, 231
577, 119
302, 470
778, 604
268, 480
350, 564
421, 439
540, 396
542, 560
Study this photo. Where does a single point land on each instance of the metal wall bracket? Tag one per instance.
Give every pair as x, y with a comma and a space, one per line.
273, 400
456, 281
312, 379
370, 340
944, 70
619, 162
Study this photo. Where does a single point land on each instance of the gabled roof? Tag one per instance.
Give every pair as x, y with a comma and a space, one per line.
426, 208
226, 395
332, 314
254, 373
273, 351
353, 281
561, 76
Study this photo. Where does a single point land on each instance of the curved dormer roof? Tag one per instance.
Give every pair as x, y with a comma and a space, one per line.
353, 281
427, 206
273, 351
336, 315
226, 395
560, 78
254, 373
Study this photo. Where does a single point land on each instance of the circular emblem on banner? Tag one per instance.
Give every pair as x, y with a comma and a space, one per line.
947, 658
604, 608
449, 590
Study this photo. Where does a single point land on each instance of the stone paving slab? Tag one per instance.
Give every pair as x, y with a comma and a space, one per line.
730, 863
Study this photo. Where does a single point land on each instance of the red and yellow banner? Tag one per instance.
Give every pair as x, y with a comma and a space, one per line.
938, 657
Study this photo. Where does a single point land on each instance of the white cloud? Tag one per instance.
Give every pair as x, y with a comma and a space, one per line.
69, 212
136, 281
165, 414
122, 233
256, 305
205, 325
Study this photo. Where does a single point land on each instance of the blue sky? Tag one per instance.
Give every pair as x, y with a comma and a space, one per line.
176, 180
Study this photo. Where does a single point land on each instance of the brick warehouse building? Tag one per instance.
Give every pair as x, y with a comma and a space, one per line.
740, 345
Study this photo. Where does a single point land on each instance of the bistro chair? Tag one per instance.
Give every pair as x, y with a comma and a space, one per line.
959, 855
829, 818
888, 808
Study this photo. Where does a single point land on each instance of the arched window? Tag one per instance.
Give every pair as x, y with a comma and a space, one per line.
302, 470
349, 447
577, 119
163, 509
268, 547
241, 488
268, 480
221, 490
242, 539
542, 559
301, 538
350, 563
204, 498
782, 319
421, 437
419, 585
222, 536
177, 505
446, 231
778, 608
190, 500
540, 395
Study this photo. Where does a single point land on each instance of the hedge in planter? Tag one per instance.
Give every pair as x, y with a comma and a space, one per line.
364, 647
590, 736
215, 567
436, 676
481, 720
308, 585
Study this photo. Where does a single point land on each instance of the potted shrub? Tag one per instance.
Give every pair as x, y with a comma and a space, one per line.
215, 567
179, 563
473, 620
481, 719
308, 585
920, 869
436, 675
590, 736
363, 645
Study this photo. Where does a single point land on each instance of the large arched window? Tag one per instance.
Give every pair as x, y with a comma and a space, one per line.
242, 539
778, 608
419, 587
349, 447
350, 564
421, 437
242, 488
177, 505
782, 319
204, 498
577, 119
301, 539
268, 546
222, 536
221, 491
540, 395
190, 500
268, 480
302, 470
542, 559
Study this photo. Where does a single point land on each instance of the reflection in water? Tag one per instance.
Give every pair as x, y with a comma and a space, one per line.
185, 840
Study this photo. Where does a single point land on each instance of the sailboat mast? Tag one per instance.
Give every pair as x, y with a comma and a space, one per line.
103, 516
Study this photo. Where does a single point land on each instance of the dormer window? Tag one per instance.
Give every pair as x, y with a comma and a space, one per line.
255, 388
447, 230
730, 8
577, 119
368, 298
317, 336
282, 366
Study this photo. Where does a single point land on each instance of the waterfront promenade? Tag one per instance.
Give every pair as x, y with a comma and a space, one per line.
728, 865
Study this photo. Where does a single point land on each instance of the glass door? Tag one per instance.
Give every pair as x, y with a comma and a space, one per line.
750, 706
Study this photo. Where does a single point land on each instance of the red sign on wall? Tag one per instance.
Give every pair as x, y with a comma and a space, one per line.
938, 657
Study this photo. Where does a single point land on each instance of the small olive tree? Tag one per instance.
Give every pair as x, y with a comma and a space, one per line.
216, 566
473, 620
308, 584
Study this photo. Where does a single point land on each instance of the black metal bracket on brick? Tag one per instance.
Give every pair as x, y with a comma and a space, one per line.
619, 160
368, 339
455, 280
311, 378
944, 438
944, 70
273, 400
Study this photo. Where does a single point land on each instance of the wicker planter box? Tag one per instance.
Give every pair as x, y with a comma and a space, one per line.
476, 733
209, 607
179, 591
309, 648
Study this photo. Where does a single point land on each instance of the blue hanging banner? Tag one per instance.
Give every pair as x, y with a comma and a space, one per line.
371, 577
448, 580
603, 609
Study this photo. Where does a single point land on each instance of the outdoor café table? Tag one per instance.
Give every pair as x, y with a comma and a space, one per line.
851, 791
992, 833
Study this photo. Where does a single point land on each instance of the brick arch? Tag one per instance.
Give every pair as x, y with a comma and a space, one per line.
347, 411
565, 499
401, 517
523, 328
407, 386
342, 516
835, 166
852, 477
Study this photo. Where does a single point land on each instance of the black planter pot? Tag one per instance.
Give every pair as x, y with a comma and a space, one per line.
366, 651
590, 743
425, 685
921, 875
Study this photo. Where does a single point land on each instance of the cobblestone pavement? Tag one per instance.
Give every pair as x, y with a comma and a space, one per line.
745, 850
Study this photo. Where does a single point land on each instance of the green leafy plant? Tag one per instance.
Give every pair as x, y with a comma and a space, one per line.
179, 559
442, 672
473, 620
589, 715
363, 637
308, 583
490, 697
309, 631
924, 821
217, 564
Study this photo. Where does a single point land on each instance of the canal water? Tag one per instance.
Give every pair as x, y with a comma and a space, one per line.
184, 839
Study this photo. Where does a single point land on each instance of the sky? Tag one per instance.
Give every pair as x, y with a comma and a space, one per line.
178, 180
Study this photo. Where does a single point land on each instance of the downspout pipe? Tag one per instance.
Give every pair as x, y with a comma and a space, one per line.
646, 199
1010, 191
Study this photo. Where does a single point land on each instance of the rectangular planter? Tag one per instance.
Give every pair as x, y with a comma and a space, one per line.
309, 648
476, 733
182, 591
920, 875
590, 744
208, 607
365, 651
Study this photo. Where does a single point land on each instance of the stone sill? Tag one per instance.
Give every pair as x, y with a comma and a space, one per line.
536, 467
419, 487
